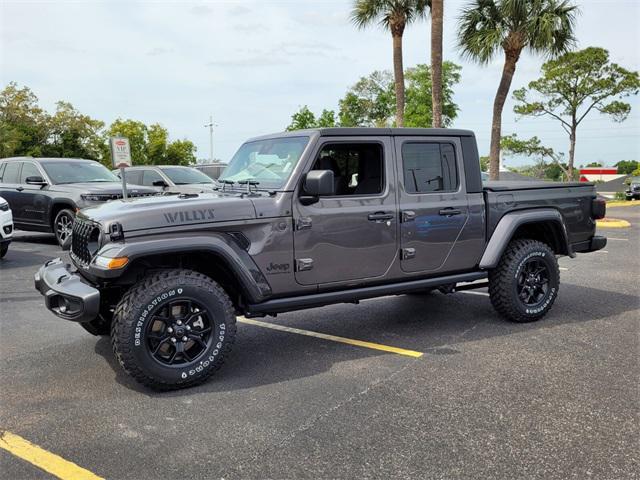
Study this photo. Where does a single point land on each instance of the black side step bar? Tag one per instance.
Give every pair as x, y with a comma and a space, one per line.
281, 305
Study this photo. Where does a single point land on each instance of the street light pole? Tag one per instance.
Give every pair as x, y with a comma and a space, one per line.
211, 125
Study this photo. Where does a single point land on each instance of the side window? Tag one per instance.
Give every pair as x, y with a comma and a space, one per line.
11, 172
133, 176
429, 167
357, 167
2, 165
29, 170
150, 176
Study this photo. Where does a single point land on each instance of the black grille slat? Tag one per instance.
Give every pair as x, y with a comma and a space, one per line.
80, 240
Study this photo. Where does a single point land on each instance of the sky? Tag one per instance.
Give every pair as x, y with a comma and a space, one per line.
252, 64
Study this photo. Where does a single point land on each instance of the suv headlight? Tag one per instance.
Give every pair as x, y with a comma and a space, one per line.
92, 197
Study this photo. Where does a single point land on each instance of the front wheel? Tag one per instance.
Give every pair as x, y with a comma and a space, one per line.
4, 248
63, 226
525, 282
173, 329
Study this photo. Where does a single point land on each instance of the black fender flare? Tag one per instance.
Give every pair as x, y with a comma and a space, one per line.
254, 284
508, 225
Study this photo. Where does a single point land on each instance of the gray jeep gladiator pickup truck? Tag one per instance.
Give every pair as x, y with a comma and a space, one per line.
305, 219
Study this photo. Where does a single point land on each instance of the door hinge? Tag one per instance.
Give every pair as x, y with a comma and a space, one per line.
304, 264
408, 216
303, 223
407, 253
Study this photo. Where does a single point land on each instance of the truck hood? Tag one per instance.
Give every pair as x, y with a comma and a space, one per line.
171, 211
113, 188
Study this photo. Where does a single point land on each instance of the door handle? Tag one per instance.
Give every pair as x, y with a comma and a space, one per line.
380, 216
450, 212
20, 189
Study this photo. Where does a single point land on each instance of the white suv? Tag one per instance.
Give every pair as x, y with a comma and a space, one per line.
6, 227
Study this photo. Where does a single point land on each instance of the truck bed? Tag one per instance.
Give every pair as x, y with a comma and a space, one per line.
501, 186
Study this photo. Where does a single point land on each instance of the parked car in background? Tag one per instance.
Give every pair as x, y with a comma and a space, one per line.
213, 170
45, 193
169, 178
6, 227
633, 190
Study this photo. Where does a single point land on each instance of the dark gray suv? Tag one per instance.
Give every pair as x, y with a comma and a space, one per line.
45, 193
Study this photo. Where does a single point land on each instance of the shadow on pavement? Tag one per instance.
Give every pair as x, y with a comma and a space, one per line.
435, 324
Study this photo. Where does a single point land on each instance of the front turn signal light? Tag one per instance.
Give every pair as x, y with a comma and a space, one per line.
111, 263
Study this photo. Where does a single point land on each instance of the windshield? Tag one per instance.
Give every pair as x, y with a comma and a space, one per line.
78, 172
185, 175
269, 162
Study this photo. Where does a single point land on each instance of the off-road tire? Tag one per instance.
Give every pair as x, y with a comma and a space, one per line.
150, 295
422, 292
64, 240
503, 280
4, 248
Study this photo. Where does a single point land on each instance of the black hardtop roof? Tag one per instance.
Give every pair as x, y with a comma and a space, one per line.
371, 132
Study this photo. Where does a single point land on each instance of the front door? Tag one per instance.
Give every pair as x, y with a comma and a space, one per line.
31, 204
350, 236
433, 199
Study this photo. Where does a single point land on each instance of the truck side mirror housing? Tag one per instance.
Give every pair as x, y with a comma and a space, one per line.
317, 183
35, 180
160, 183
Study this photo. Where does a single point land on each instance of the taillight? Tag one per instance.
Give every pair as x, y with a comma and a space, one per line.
598, 208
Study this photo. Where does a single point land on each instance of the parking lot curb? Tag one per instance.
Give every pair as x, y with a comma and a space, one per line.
612, 223
632, 203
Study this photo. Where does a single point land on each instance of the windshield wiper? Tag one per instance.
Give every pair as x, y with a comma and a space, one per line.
249, 184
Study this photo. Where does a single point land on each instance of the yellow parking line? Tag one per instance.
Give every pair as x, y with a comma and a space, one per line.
324, 336
47, 461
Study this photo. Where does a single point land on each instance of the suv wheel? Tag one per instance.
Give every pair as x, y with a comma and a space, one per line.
63, 226
4, 248
173, 329
525, 283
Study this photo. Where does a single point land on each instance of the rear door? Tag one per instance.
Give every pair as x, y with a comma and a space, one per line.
352, 235
433, 202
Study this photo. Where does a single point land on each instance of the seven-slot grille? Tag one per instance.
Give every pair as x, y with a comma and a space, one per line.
80, 240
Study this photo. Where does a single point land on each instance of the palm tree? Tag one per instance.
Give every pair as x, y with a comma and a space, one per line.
437, 8
392, 15
486, 26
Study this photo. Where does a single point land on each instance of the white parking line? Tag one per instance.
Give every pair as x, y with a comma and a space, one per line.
618, 239
471, 292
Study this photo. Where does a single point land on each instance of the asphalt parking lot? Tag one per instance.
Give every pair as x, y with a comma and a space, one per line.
487, 399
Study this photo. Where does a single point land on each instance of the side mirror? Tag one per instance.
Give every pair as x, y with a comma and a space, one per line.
36, 180
317, 183
160, 183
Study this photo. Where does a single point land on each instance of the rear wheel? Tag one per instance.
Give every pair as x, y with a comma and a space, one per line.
525, 284
63, 226
4, 248
173, 329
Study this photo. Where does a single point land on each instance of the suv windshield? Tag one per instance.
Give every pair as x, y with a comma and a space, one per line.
269, 162
185, 175
78, 172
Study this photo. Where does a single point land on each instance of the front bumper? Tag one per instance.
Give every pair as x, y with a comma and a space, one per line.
65, 292
597, 242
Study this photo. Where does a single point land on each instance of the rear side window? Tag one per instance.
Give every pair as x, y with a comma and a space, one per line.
429, 167
133, 176
29, 170
11, 172
1, 170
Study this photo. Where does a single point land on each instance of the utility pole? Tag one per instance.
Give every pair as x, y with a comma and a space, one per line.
210, 125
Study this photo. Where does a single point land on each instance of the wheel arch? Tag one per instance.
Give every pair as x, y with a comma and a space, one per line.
58, 205
218, 256
545, 225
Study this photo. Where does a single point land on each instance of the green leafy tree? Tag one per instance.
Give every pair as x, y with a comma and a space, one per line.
593, 164
627, 166
394, 16
180, 152
136, 132
532, 147
74, 135
574, 85
489, 26
304, 118
370, 102
24, 128
419, 108
484, 163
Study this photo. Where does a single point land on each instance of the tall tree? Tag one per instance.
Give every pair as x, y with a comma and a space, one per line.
533, 147
24, 128
437, 17
370, 102
487, 26
575, 84
418, 110
392, 15
73, 134
304, 118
